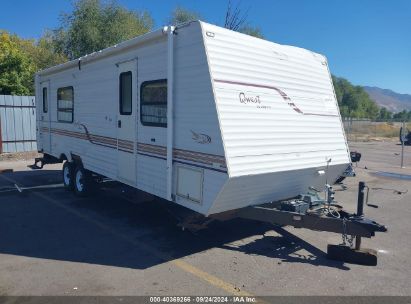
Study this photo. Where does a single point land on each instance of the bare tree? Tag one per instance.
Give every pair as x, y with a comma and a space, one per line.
235, 18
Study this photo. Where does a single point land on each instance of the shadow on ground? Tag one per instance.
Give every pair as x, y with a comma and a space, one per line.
288, 248
108, 229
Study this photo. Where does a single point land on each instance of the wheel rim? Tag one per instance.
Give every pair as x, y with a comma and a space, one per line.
79, 181
66, 176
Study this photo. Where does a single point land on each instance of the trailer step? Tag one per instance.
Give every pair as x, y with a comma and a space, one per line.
39, 162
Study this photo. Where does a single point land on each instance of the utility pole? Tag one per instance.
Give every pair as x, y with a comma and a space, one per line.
402, 143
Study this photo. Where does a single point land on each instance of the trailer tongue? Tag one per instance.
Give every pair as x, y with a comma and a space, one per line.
311, 212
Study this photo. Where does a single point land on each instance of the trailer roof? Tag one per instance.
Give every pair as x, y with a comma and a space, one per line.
104, 52
136, 41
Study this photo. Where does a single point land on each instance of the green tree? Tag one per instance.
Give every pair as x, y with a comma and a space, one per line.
45, 54
40, 52
254, 31
353, 100
384, 114
94, 25
402, 116
16, 68
20, 59
182, 15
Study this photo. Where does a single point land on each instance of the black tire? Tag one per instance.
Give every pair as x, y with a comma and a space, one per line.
68, 175
82, 181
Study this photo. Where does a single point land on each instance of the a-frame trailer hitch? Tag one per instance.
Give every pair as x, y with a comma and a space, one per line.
349, 225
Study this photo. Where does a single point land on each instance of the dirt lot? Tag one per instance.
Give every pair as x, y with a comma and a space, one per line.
53, 243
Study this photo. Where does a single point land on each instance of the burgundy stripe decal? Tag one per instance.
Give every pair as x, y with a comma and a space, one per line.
106, 142
279, 91
155, 150
183, 154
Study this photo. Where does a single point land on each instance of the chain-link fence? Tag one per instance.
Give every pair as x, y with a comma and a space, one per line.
366, 130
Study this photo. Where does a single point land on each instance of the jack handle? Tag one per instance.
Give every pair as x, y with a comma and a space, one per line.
366, 200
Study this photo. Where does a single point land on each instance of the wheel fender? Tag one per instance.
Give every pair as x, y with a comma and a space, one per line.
77, 160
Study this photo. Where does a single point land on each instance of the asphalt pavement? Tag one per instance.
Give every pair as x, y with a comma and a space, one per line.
113, 243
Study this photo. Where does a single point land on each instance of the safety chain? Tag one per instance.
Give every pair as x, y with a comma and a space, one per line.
345, 238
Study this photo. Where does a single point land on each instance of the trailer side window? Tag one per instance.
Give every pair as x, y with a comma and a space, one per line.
126, 93
153, 103
45, 104
65, 104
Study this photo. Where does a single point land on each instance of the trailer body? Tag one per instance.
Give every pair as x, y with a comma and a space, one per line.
208, 118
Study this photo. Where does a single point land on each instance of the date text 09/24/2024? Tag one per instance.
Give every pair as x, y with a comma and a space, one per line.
203, 299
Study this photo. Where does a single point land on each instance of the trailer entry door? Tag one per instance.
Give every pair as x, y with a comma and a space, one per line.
44, 117
126, 122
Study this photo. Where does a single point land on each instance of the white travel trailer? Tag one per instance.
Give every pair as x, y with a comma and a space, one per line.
208, 118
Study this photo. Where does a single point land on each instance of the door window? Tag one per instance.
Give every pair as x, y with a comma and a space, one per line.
126, 92
45, 103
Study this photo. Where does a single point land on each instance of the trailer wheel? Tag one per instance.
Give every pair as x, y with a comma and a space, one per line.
82, 181
68, 175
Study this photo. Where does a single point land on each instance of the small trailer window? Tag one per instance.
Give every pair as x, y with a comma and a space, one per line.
126, 93
154, 103
65, 104
45, 104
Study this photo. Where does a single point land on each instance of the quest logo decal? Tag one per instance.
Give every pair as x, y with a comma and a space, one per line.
249, 99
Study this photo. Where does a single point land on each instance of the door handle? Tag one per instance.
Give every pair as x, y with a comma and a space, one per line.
119, 123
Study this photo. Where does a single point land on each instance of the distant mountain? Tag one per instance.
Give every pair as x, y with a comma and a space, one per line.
393, 101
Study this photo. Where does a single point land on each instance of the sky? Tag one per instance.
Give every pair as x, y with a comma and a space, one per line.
367, 42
